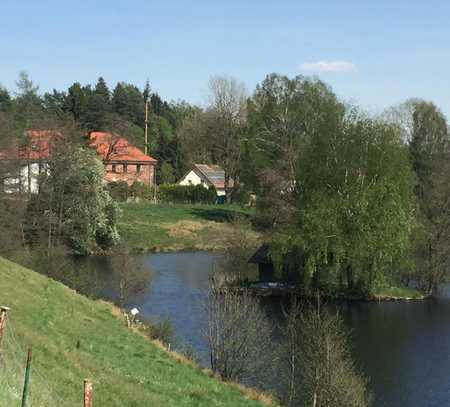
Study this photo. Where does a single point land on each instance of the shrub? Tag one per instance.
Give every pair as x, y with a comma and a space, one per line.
119, 191
174, 193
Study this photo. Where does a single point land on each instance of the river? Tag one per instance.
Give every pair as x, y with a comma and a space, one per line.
403, 348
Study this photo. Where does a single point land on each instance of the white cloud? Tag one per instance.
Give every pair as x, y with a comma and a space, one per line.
328, 66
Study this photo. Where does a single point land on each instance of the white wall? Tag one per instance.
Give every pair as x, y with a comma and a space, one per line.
193, 179
20, 183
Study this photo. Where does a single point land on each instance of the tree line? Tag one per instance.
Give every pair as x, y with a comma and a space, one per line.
350, 202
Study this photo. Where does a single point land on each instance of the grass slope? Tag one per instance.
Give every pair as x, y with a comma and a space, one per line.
127, 369
148, 227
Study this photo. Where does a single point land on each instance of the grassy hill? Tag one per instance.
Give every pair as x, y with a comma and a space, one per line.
75, 338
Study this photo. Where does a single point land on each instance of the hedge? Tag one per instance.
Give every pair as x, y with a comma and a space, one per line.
167, 193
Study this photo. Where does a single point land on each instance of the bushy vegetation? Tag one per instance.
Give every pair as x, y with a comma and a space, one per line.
165, 193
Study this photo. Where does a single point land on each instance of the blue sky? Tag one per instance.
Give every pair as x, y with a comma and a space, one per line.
373, 53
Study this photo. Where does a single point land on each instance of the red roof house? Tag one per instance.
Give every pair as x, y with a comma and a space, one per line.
123, 161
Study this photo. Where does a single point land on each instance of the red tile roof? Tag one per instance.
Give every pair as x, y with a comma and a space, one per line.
112, 147
37, 146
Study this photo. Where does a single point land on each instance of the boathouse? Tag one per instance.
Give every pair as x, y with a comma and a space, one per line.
266, 269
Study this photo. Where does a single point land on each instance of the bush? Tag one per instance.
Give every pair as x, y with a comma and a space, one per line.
119, 191
167, 193
174, 193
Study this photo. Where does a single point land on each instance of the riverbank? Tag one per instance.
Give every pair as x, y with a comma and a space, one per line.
75, 338
280, 290
146, 227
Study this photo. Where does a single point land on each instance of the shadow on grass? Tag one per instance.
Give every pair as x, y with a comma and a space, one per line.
219, 214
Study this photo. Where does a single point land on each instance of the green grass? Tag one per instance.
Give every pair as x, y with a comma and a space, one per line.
398, 293
148, 227
75, 338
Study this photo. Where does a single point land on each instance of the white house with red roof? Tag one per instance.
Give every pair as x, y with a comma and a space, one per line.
207, 175
33, 157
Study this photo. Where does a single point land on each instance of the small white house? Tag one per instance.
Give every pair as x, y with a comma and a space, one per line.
207, 175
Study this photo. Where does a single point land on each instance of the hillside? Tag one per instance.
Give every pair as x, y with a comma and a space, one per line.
75, 338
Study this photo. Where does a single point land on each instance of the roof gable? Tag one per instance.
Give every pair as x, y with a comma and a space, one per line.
38, 146
213, 174
112, 147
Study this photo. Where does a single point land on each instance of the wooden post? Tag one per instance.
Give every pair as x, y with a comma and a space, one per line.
27, 380
3, 315
146, 128
88, 391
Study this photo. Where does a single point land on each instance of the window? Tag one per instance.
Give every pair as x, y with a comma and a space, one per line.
113, 167
138, 168
125, 168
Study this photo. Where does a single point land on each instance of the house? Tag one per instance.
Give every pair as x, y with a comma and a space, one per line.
266, 268
123, 161
207, 175
33, 156
284, 273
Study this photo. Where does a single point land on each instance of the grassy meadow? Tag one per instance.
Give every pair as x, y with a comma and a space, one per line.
146, 227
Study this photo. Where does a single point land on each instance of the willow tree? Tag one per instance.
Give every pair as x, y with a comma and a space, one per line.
353, 202
430, 155
283, 114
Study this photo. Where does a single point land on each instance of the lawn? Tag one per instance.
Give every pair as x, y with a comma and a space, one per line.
75, 338
148, 227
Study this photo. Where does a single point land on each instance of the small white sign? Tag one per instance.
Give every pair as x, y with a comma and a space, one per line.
134, 312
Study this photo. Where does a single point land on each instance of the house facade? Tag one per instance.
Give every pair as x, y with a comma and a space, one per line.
207, 175
33, 157
123, 161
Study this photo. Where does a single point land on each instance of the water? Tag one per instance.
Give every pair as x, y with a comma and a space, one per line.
403, 348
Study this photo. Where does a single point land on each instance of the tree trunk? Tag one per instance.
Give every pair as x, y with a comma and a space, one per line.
350, 278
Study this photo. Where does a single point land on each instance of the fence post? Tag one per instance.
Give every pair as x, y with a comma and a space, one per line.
88, 390
3, 315
27, 379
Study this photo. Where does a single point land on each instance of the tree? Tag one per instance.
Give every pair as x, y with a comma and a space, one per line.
319, 368
239, 335
283, 113
5, 100
354, 202
129, 103
27, 104
402, 116
11, 206
225, 125
430, 157
77, 102
129, 276
55, 104
99, 106
166, 174
73, 207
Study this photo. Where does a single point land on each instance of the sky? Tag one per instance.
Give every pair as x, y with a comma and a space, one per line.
374, 53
